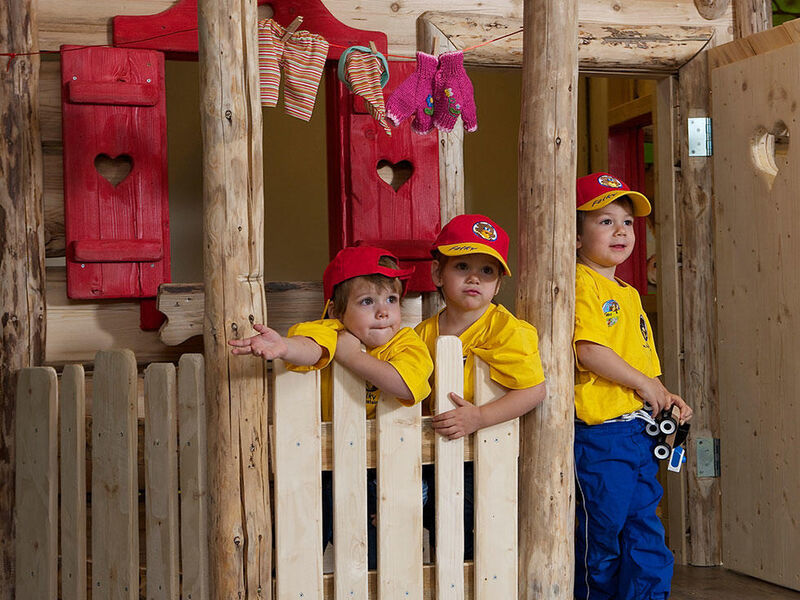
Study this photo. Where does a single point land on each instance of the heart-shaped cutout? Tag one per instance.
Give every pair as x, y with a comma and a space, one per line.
113, 170
395, 174
769, 149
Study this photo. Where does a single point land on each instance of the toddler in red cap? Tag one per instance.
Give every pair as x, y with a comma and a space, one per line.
619, 542
470, 258
362, 286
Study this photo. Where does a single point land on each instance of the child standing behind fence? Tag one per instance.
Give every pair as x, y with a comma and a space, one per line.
470, 257
362, 286
619, 542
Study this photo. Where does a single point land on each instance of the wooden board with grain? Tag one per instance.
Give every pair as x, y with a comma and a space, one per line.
349, 485
192, 436
72, 410
36, 483
756, 178
115, 516
496, 451
298, 489
161, 477
399, 500
449, 469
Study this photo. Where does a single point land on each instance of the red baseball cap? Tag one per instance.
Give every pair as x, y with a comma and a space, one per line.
473, 234
356, 261
601, 189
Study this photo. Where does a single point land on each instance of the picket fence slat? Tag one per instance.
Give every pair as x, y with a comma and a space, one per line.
449, 469
36, 483
399, 500
72, 406
349, 485
496, 451
298, 488
193, 482
115, 517
161, 481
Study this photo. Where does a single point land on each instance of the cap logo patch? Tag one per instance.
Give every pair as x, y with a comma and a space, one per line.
485, 231
609, 181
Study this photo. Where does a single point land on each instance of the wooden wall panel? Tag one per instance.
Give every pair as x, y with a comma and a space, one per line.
757, 246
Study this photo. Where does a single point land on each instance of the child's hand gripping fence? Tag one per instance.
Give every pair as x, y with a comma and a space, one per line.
398, 456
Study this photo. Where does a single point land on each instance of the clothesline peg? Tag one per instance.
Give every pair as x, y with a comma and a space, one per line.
433, 46
292, 28
373, 47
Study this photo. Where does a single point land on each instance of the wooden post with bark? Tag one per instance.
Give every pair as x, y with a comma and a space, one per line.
22, 308
240, 532
751, 16
546, 292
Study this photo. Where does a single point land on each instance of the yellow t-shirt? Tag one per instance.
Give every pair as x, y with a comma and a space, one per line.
610, 313
510, 347
405, 352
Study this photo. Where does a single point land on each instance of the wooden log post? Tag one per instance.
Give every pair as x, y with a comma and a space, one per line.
22, 307
546, 293
699, 374
751, 16
240, 532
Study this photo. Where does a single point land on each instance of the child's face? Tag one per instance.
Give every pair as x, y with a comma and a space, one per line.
607, 238
372, 313
468, 282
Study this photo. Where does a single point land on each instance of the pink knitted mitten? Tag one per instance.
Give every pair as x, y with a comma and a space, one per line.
414, 96
453, 94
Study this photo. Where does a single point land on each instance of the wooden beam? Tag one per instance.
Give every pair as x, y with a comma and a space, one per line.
603, 48
546, 293
240, 531
752, 45
668, 298
751, 16
22, 316
78, 22
698, 316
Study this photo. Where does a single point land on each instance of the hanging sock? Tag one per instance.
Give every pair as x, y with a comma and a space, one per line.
453, 94
302, 58
365, 73
415, 96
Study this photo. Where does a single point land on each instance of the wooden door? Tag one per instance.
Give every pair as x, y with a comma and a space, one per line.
756, 104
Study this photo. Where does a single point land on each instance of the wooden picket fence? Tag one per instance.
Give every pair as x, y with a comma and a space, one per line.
174, 563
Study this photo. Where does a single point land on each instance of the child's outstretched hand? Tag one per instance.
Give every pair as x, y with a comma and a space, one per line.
460, 421
268, 344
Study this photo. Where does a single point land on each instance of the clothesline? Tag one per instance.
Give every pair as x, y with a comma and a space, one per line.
12, 55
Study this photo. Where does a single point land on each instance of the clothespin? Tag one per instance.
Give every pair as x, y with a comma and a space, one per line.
373, 47
433, 46
292, 28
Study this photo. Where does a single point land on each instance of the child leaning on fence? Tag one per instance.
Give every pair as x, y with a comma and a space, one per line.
362, 286
470, 258
619, 542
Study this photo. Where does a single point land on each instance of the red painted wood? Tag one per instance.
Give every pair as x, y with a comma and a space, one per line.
117, 250
362, 207
97, 213
174, 31
117, 92
626, 161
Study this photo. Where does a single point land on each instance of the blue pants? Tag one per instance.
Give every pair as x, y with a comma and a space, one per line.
619, 541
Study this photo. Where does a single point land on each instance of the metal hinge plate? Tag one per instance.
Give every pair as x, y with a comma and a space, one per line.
700, 137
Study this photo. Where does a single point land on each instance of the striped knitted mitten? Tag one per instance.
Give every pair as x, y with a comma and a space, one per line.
453, 94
